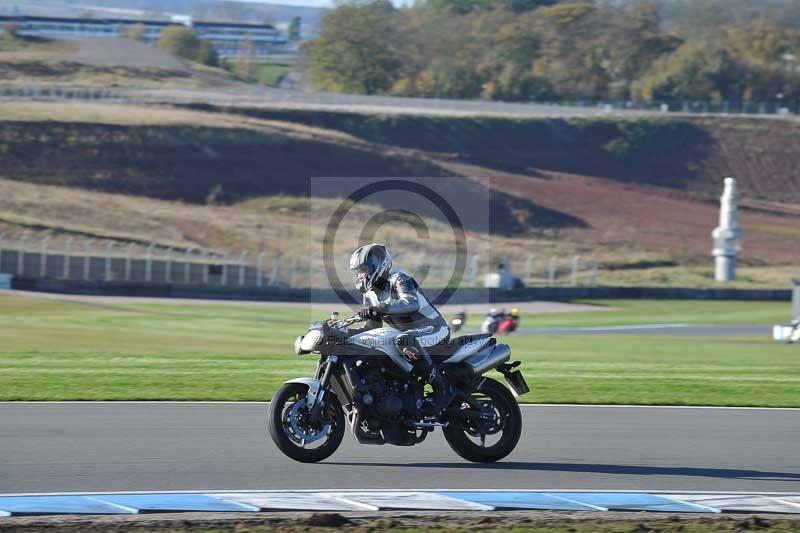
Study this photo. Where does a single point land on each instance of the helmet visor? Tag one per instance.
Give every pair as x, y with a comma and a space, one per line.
361, 275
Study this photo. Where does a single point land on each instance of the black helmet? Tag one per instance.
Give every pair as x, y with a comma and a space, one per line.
374, 261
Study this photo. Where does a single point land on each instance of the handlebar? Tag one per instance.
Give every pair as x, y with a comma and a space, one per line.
347, 321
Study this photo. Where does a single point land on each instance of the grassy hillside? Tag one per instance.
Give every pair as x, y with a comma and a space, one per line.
99, 62
640, 195
201, 158
686, 153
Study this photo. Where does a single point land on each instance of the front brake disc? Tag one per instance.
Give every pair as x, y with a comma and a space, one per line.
305, 434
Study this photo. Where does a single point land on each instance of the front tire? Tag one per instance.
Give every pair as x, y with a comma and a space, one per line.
291, 432
507, 422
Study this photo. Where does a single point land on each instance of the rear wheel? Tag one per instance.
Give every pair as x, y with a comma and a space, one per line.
295, 434
491, 437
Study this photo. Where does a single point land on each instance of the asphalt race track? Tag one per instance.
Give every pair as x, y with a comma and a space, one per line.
130, 446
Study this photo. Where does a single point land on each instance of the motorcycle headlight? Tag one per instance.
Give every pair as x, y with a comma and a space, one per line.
297, 349
311, 340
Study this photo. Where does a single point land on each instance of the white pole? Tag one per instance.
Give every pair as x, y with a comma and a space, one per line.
551, 271
128, 253
1, 252
225, 261
575, 262
21, 256
148, 264
259, 273
43, 258
87, 259
67, 250
276, 270
241, 268
168, 267
529, 267
595, 268
473, 269
727, 236
205, 268
109, 246
187, 266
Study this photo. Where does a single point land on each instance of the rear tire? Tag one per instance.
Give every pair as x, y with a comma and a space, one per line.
510, 425
282, 432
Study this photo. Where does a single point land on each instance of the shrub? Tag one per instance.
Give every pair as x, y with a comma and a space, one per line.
183, 42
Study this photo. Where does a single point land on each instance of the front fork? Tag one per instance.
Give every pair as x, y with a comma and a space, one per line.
324, 372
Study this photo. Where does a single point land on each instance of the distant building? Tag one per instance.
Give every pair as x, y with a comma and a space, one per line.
228, 38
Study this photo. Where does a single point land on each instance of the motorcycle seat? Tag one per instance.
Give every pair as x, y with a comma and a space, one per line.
445, 350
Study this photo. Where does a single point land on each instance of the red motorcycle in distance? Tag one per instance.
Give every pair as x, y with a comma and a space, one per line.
509, 323
500, 322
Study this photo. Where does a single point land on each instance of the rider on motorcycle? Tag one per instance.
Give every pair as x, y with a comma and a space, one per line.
395, 298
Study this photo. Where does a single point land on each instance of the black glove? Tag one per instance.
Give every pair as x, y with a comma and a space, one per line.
373, 312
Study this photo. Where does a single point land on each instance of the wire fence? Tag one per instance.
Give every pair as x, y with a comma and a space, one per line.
89, 261
259, 95
109, 261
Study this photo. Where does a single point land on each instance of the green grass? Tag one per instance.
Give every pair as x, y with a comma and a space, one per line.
12, 44
659, 370
621, 312
272, 73
53, 350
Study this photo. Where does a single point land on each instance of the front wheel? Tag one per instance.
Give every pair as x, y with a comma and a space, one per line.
489, 438
295, 434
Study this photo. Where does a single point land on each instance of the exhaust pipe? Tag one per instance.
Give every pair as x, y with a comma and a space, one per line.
488, 359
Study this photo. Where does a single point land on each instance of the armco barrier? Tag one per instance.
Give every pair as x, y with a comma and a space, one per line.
461, 296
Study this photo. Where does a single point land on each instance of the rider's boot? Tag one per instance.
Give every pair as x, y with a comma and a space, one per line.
443, 392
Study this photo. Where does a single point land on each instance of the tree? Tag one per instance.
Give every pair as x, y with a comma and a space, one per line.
696, 71
563, 50
356, 50
761, 42
183, 42
521, 6
206, 54
294, 29
245, 62
458, 7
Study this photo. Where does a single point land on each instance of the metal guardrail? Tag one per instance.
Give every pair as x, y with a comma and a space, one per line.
89, 260
258, 95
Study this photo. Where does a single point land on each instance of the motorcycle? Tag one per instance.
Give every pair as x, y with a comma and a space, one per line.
509, 322
458, 321
363, 377
492, 321
507, 325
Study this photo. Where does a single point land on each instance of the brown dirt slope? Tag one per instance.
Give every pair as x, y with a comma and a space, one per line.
209, 158
686, 153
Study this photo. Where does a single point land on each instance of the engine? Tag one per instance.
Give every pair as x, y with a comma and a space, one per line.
389, 405
388, 397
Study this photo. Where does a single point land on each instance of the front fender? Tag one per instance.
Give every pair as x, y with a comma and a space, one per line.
313, 388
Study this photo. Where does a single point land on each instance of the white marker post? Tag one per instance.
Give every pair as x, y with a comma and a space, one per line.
790, 332
728, 236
